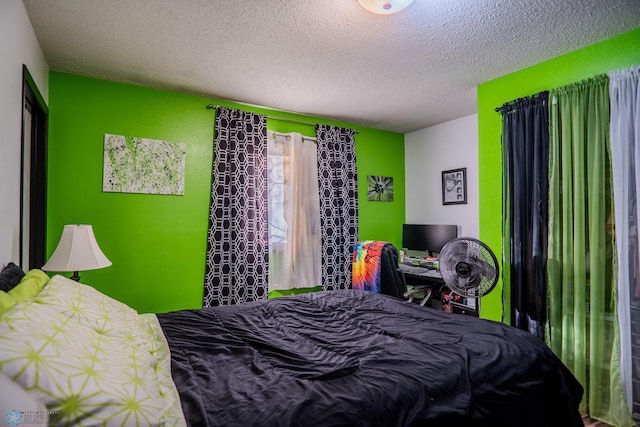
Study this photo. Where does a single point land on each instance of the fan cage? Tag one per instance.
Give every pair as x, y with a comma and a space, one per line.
469, 267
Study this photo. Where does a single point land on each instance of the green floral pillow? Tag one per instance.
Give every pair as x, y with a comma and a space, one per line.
91, 359
30, 285
6, 301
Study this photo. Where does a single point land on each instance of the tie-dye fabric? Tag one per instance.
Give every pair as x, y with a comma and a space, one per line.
366, 265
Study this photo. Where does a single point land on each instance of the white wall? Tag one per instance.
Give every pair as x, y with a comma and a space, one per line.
428, 152
18, 46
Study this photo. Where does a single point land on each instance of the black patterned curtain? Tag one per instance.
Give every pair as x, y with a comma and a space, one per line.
338, 184
237, 241
525, 147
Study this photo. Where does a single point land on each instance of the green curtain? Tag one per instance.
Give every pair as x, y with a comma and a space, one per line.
582, 321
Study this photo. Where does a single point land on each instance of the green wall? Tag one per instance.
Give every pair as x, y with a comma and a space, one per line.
616, 53
157, 243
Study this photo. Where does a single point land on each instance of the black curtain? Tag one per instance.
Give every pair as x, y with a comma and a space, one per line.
525, 140
338, 186
237, 241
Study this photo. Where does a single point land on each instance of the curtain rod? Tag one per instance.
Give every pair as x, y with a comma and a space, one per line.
288, 137
282, 119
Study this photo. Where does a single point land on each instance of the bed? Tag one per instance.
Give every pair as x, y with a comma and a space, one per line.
319, 359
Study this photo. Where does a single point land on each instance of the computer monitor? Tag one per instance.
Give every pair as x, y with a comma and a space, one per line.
427, 237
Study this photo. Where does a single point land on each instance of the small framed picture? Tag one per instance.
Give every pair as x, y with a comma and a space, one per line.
379, 188
454, 187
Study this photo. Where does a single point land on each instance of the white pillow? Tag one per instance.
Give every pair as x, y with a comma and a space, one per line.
18, 406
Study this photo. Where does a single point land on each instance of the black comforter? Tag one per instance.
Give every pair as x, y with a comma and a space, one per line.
362, 359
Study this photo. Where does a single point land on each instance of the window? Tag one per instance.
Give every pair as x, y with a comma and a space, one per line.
294, 212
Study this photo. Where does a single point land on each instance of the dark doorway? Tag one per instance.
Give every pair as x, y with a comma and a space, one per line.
33, 186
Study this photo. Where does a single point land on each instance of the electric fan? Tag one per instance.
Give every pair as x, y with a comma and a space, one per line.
468, 267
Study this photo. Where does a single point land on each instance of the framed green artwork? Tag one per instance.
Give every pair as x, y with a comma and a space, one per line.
143, 165
380, 188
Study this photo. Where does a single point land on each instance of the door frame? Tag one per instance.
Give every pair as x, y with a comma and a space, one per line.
33, 173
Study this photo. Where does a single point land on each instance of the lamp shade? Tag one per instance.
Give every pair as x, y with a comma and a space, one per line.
384, 7
77, 251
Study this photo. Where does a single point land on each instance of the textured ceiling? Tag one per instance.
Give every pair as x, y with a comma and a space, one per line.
324, 58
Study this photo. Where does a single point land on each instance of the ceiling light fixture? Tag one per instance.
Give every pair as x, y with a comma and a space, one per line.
384, 7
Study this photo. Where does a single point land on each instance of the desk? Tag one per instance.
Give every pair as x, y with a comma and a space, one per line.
416, 276
432, 280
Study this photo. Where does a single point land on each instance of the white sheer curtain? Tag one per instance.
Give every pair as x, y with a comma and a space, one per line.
294, 212
624, 92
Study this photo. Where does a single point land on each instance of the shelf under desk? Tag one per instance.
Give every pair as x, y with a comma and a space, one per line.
431, 280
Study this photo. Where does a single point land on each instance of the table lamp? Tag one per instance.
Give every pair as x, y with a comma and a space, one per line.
77, 251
